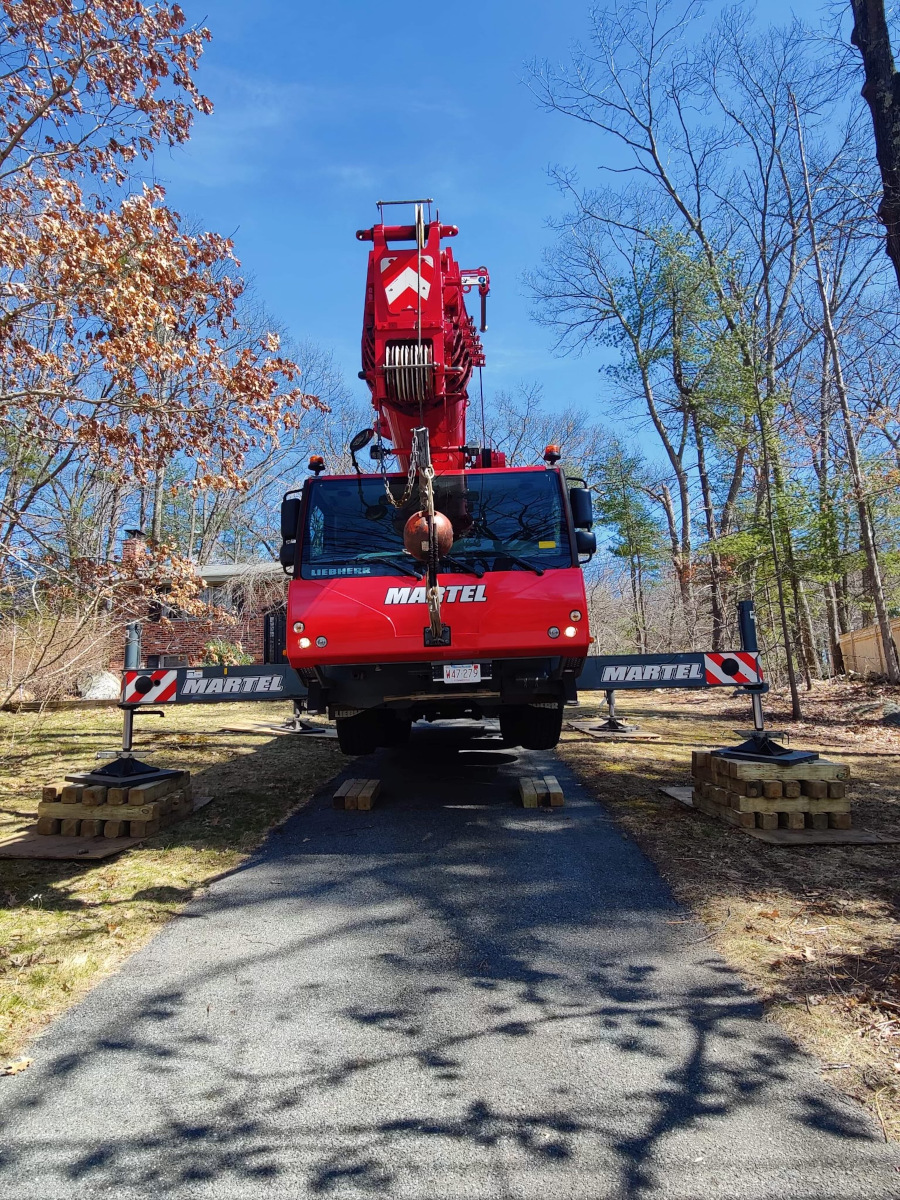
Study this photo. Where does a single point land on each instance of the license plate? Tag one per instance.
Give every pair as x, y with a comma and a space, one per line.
462, 673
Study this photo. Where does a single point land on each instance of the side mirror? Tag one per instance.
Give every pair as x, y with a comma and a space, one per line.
287, 555
585, 543
290, 518
582, 507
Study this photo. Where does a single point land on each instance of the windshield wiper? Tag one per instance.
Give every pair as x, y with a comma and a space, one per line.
390, 562
477, 570
522, 562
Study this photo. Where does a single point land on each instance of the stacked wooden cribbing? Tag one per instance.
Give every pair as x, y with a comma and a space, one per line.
140, 810
357, 794
771, 795
541, 791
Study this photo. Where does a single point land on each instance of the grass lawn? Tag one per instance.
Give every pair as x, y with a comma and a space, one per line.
814, 930
64, 925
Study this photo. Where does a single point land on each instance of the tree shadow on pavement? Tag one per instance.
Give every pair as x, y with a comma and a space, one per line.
448, 995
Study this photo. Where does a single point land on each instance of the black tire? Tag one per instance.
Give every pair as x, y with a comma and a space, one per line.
359, 734
531, 728
395, 730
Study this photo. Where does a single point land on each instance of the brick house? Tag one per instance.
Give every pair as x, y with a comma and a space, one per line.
252, 595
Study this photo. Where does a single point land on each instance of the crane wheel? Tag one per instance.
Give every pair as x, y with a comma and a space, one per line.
359, 734
529, 727
395, 730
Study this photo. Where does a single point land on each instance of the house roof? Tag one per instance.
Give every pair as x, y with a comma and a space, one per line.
216, 574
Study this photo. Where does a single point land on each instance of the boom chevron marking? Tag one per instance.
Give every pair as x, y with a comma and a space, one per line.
399, 276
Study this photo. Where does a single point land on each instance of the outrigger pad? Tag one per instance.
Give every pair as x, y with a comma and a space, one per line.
122, 768
761, 748
431, 640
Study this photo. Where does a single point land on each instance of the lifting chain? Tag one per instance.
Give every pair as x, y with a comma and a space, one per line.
410, 478
420, 467
432, 593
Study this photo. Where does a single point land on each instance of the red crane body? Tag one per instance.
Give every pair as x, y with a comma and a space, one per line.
490, 618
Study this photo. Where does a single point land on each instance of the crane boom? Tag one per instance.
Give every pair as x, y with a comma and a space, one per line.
419, 344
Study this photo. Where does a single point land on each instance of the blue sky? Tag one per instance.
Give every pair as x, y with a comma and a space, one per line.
322, 109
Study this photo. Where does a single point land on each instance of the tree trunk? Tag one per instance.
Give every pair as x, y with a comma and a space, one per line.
881, 91
831, 610
716, 601
156, 515
867, 532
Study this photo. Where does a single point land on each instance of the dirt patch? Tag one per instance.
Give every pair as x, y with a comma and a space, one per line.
815, 931
65, 925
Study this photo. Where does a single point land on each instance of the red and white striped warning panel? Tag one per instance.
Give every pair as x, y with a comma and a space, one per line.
732, 666
149, 687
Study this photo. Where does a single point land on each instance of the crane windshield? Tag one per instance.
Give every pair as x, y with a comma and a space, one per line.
502, 521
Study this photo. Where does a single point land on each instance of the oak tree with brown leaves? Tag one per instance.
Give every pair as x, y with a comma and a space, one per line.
120, 331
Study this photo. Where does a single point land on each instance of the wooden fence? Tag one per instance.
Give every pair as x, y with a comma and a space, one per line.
863, 651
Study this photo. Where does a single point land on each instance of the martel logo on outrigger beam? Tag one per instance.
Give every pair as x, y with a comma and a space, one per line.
234, 683
470, 594
646, 674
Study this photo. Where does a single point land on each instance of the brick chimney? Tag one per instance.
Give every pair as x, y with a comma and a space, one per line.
134, 546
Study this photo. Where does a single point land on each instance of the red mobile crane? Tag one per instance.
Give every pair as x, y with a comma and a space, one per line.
452, 587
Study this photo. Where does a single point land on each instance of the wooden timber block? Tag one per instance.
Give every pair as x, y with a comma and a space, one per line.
772, 789
71, 793
69, 826
367, 794
92, 827
817, 788
47, 826
528, 792
554, 792
115, 829
133, 812
791, 789
818, 820
795, 820
725, 814
94, 796
804, 804
176, 806
144, 793
348, 793
700, 760
839, 820
141, 829
541, 791
742, 786
765, 820
117, 795
818, 769
52, 791
837, 791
